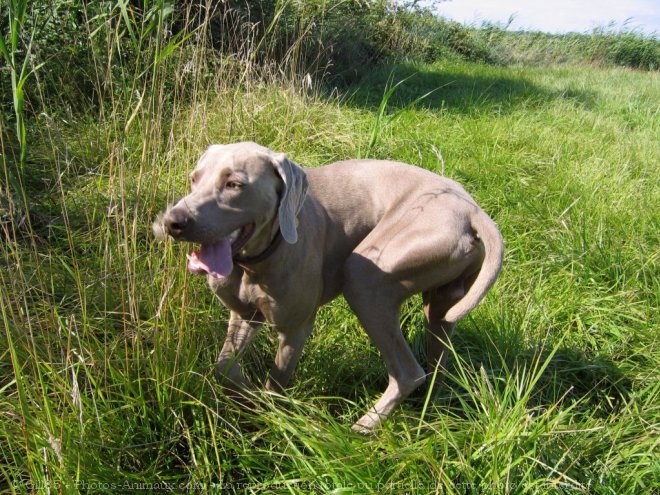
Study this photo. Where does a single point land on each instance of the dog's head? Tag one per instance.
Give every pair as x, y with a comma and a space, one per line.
240, 194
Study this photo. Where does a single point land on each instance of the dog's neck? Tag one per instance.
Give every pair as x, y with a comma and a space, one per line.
246, 261
263, 246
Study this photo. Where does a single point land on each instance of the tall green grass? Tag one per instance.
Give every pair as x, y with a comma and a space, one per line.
602, 47
108, 345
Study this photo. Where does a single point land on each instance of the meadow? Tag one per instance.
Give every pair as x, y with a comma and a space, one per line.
108, 344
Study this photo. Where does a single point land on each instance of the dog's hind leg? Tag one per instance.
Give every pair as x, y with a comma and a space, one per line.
436, 303
375, 298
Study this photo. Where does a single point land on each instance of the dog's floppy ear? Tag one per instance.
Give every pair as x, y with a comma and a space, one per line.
293, 195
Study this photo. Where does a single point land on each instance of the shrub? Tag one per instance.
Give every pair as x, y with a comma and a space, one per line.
634, 50
601, 47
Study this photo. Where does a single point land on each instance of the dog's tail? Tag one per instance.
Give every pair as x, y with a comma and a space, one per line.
490, 236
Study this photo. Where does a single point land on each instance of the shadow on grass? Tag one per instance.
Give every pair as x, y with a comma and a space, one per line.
568, 375
462, 91
565, 374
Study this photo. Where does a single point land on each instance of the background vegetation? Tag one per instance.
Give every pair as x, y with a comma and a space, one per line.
108, 344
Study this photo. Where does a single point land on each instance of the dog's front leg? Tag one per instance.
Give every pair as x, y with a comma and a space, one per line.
240, 333
291, 342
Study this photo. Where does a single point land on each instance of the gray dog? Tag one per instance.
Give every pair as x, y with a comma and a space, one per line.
376, 231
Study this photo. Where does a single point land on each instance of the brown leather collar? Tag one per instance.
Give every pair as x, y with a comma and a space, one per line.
249, 260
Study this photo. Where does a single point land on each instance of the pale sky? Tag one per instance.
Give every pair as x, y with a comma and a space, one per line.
557, 16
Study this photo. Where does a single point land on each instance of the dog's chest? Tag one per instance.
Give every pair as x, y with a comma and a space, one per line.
244, 296
257, 299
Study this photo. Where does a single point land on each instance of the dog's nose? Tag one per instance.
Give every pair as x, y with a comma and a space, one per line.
176, 222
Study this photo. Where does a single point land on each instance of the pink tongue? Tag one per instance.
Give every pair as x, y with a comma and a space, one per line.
214, 259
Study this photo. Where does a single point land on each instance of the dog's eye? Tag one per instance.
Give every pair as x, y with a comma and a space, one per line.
232, 184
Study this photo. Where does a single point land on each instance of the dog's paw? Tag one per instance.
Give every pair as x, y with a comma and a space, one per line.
362, 430
368, 423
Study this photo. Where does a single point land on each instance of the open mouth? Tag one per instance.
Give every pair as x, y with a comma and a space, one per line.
216, 258
239, 237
